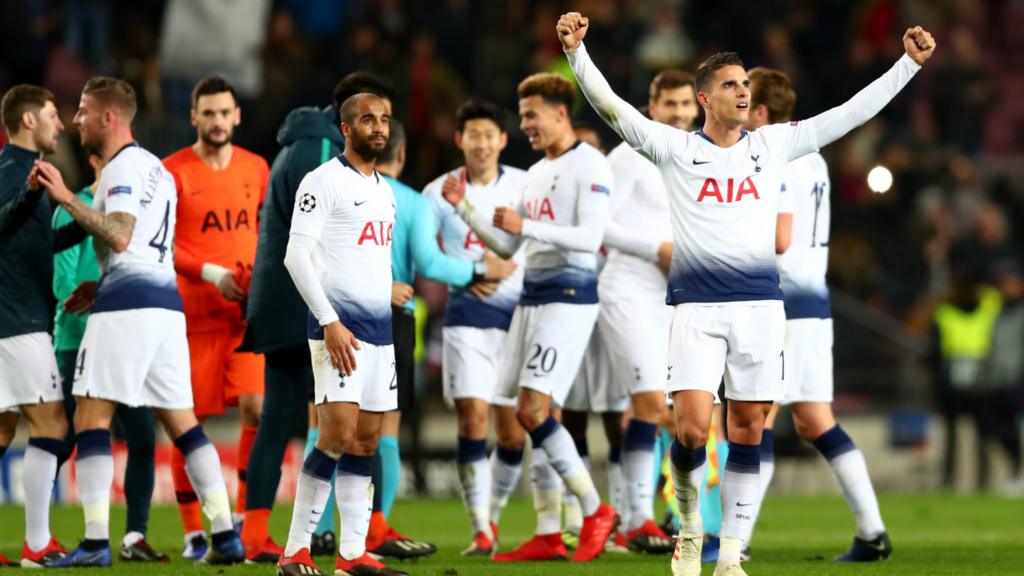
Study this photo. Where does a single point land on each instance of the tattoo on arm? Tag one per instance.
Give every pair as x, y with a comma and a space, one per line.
112, 229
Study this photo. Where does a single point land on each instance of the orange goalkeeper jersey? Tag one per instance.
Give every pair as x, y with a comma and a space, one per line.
217, 223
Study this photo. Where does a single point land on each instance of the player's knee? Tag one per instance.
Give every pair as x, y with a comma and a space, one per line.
473, 424
692, 436
529, 418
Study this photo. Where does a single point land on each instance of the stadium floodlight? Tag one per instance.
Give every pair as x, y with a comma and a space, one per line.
880, 179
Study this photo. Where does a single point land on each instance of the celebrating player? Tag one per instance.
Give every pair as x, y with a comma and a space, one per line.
339, 256
134, 350
220, 190
723, 185
803, 238
475, 327
560, 221
28, 368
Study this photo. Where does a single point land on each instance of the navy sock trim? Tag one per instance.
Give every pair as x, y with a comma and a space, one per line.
834, 443
186, 497
220, 538
95, 442
639, 435
686, 459
191, 440
51, 445
541, 433
510, 457
582, 448
768, 445
93, 545
319, 465
470, 450
355, 465
614, 454
743, 458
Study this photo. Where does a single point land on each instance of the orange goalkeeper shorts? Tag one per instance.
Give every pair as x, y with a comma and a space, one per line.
220, 374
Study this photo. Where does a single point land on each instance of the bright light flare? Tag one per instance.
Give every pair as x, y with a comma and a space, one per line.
879, 179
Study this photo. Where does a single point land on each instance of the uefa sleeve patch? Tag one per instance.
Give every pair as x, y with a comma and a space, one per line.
126, 190
599, 189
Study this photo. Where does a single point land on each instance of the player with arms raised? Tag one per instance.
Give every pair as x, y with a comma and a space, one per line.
339, 256
723, 184
561, 220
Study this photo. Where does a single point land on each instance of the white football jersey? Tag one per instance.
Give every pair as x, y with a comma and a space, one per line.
135, 182
805, 263
352, 217
639, 223
571, 190
465, 309
724, 201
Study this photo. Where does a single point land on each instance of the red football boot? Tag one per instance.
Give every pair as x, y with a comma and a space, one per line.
596, 529
299, 564
365, 565
41, 558
538, 548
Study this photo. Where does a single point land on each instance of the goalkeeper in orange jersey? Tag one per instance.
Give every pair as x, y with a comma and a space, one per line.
220, 189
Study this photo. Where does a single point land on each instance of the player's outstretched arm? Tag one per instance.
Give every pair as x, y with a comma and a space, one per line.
650, 138
429, 260
833, 124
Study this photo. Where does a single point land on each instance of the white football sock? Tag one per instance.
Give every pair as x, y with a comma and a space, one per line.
687, 468
39, 475
94, 475
851, 471
547, 494
767, 472
354, 494
616, 488
637, 463
203, 467
739, 495
475, 478
506, 468
311, 493
556, 442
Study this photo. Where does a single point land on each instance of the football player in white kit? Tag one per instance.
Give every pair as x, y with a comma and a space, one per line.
476, 325
803, 232
134, 350
634, 320
339, 256
561, 222
723, 185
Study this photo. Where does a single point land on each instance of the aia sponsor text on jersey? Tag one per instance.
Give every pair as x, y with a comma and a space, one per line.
376, 232
727, 192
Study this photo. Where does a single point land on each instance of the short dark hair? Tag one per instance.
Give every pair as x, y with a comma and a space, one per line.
360, 83
478, 110
669, 80
113, 92
708, 68
553, 88
773, 89
212, 85
396, 140
348, 108
20, 99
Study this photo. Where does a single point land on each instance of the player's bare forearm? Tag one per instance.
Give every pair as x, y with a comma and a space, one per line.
114, 230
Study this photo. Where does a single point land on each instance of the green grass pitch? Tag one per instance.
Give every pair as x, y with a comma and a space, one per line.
933, 535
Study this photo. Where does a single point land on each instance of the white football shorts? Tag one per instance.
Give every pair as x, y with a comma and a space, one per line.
470, 363
373, 385
807, 361
28, 371
594, 390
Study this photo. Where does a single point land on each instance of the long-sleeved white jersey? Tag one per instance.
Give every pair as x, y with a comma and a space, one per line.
638, 225
804, 265
565, 209
465, 309
724, 201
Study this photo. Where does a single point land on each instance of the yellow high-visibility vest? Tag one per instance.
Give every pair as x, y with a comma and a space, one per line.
964, 334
